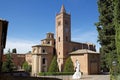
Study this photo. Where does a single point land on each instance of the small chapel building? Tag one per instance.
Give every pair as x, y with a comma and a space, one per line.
63, 47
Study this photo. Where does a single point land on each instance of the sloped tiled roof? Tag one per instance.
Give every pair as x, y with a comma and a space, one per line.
43, 45
83, 51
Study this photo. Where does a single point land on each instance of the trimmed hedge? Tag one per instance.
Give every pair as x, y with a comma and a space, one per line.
55, 73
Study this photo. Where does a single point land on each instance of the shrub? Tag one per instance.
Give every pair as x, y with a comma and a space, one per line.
55, 73
53, 66
26, 67
68, 65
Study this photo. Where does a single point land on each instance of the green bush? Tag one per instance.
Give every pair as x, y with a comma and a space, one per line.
68, 65
54, 65
55, 73
26, 67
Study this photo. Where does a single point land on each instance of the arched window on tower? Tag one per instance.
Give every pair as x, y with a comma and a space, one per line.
59, 23
48, 42
66, 22
66, 38
49, 36
59, 39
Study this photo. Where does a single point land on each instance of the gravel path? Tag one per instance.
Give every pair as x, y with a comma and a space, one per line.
84, 77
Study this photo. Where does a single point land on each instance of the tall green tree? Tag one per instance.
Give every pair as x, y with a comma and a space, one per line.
117, 28
54, 65
68, 65
8, 65
106, 33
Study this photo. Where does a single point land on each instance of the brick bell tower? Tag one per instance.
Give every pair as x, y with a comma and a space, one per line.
63, 36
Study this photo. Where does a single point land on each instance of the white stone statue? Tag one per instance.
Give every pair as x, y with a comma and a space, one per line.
77, 74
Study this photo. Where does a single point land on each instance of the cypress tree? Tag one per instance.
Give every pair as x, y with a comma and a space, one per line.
8, 65
54, 65
68, 65
117, 28
106, 33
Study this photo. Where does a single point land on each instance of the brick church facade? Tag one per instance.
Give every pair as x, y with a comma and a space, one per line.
63, 47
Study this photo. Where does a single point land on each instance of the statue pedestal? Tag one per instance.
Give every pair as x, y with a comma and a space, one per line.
77, 75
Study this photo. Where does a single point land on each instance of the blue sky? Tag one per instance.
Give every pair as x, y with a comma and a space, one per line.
30, 20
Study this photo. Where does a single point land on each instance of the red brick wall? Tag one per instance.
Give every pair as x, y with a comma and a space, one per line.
18, 59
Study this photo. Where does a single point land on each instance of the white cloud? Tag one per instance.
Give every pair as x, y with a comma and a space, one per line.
22, 46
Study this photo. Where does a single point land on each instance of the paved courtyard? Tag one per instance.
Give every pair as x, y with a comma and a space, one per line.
85, 77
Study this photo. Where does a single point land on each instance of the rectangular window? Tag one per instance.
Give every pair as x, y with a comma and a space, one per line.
66, 38
43, 61
59, 39
59, 23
